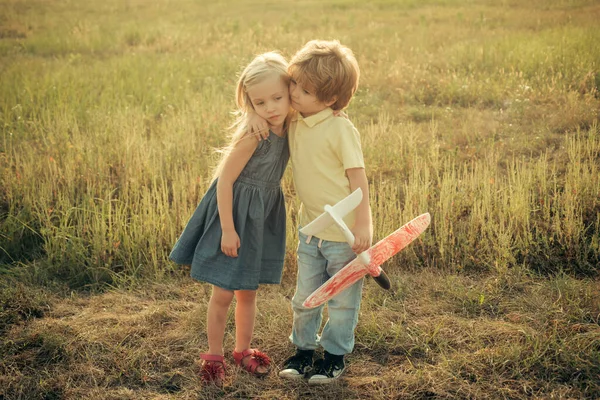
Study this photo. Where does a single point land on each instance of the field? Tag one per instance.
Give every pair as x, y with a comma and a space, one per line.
483, 113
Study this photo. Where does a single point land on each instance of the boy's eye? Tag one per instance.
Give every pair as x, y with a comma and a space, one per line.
306, 91
293, 81
278, 98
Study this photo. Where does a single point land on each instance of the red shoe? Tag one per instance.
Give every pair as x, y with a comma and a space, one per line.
213, 369
254, 360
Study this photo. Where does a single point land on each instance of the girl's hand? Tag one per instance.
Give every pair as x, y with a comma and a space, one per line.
340, 113
257, 126
230, 243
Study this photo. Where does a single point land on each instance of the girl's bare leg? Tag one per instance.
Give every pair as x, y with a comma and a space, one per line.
216, 318
245, 312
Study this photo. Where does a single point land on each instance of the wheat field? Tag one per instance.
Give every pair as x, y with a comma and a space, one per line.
482, 113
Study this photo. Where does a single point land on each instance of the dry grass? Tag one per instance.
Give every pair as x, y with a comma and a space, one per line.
435, 336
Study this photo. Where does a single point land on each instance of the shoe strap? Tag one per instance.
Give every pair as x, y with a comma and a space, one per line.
239, 356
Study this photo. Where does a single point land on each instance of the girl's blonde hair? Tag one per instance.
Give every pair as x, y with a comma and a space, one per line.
263, 66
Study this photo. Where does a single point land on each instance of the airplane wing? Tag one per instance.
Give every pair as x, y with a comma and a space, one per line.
345, 278
378, 254
342, 208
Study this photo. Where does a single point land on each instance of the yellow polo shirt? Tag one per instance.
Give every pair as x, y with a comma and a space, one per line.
322, 148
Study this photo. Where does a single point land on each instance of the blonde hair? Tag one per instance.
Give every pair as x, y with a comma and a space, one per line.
263, 66
329, 68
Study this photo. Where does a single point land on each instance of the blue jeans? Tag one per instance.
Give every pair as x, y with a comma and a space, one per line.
318, 260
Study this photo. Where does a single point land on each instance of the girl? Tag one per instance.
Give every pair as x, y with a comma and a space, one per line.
236, 238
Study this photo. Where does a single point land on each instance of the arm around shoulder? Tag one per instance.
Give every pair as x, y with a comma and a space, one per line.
257, 126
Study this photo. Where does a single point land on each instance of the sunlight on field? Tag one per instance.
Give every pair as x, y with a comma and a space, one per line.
482, 113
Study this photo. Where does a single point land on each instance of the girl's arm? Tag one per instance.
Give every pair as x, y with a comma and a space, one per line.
363, 226
234, 164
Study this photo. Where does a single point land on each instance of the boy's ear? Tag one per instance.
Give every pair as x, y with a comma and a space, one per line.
331, 102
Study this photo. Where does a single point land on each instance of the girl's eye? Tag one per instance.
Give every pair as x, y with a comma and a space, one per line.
259, 104
278, 98
305, 91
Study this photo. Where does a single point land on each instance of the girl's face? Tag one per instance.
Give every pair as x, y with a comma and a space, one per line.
271, 100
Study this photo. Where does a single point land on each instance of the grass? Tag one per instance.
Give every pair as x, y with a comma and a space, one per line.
484, 114
438, 335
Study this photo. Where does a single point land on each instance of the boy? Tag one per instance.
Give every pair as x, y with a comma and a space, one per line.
327, 165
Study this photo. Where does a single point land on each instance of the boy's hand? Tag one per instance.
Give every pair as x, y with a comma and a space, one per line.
230, 243
363, 236
257, 126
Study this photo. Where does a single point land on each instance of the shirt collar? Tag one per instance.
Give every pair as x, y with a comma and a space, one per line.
316, 118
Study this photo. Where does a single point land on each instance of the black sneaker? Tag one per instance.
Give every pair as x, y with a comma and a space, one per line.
298, 365
328, 369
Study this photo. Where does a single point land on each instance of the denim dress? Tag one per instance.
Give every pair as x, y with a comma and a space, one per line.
259, 219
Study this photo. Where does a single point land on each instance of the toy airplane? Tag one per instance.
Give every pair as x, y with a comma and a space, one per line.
368, 262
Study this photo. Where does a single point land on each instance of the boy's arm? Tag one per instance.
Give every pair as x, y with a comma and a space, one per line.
234, 164
257, 126
363, 226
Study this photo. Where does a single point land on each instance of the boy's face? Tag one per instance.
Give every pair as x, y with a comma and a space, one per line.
304, 101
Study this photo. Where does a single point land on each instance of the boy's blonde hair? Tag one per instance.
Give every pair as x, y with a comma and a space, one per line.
263, 66
329, 69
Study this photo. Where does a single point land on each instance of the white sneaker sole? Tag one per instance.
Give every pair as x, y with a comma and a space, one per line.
290, 374
323, 380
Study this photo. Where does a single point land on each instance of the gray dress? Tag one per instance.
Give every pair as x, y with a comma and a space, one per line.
259, 219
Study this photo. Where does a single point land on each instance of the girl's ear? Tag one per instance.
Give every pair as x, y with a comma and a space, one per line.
331, 102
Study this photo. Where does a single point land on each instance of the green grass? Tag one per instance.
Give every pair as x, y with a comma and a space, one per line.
484, 114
